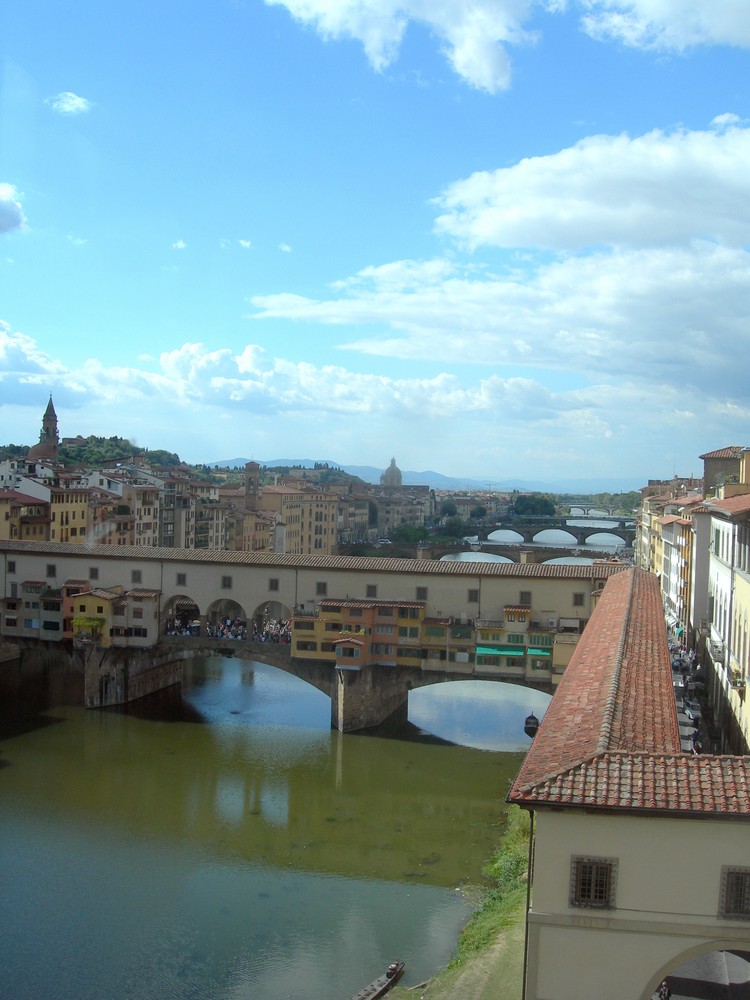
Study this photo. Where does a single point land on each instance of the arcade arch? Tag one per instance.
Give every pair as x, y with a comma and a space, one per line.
704, 972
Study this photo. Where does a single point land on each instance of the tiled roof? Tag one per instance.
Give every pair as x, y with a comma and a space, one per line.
731, 451
731, 505
410, 567
685, 784
610, 738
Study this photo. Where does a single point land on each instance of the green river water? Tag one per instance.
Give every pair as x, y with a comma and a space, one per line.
224, 842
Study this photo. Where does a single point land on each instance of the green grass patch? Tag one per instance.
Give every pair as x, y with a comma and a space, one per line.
505, 899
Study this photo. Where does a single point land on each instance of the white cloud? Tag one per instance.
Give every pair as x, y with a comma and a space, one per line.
68, 103
473, 36
658, 188
11, 213
285, 248
245, 244
179, 245
627, 313
668, 24
200, 403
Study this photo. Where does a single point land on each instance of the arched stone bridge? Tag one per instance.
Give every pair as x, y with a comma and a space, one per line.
529, 528
360, 698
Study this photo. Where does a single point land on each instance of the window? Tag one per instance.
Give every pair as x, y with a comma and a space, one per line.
578, 600
273, 583
321, 588
51, 569
734, 903
136, 576
524, 598
372, 590
11, 565
226, 583
473, 597
421, 593
137, 612
93, 573
592, 882
182, 579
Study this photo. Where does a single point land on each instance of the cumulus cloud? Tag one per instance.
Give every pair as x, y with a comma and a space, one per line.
668, 24
655, 189
179, 245
220, 393
635, 264
11, 213
473, 36
68, 103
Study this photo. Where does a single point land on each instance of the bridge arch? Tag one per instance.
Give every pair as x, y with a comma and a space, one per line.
688, 968
540, 537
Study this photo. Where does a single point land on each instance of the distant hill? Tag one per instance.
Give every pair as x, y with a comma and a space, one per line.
437, 481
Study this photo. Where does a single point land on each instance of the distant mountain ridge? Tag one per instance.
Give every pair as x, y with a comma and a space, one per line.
437, 481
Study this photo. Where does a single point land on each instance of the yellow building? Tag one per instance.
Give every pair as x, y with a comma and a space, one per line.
306, 521
69, 513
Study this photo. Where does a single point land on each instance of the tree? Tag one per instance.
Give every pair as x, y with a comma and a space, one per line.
478, 513
534, 505
448, 509
454, 527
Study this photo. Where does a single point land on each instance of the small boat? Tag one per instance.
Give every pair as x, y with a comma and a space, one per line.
380, 986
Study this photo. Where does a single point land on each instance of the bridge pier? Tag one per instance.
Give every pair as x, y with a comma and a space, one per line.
366, 697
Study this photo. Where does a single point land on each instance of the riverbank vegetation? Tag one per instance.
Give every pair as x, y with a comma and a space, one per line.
489, 957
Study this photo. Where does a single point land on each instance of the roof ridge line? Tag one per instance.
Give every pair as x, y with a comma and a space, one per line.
605, 733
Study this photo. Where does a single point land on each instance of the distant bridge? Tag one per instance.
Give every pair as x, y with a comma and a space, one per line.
530, 527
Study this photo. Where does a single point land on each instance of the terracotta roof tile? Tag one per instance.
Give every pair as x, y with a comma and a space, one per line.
731, 451
409, 567
610, 738
731, 505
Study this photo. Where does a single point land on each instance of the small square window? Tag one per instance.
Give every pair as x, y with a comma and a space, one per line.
421, 593
473, 597
226, 583
321, 588
578, 600
524, 598
273, 583
93, 573
51, 569
734, 902
592, 882
11, 565
135, 576
182, 579
372, 590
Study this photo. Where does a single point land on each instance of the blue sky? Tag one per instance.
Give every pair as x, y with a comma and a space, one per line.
505, 239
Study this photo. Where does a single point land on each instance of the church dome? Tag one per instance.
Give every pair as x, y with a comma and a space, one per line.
392, 477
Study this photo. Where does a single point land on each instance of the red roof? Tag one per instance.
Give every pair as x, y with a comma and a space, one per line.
731, 451
739, 504
610, 737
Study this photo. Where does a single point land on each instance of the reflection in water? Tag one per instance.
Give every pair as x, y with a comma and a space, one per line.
234, 846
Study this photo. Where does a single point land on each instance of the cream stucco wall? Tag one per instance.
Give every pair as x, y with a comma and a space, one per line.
666, 904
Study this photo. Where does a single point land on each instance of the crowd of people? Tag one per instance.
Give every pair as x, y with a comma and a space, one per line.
268, 630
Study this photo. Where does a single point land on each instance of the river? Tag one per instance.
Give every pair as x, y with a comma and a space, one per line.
226, 843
